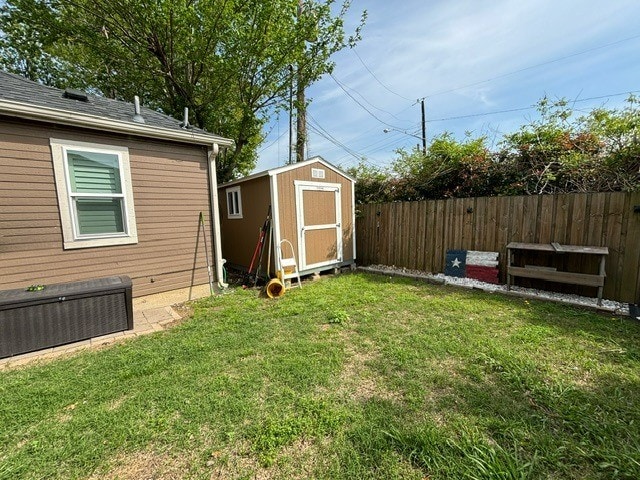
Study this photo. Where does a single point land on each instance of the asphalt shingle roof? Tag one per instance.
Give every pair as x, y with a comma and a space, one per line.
19, 89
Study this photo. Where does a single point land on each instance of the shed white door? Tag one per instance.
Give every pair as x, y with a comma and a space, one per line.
318, 212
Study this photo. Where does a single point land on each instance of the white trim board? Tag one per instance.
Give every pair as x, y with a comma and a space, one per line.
276, 171
275, 220
336, 188
94, 122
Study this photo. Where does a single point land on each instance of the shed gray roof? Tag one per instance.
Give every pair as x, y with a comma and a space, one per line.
14, 88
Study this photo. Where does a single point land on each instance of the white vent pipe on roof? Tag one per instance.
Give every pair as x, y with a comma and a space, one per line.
185, 122
137, 117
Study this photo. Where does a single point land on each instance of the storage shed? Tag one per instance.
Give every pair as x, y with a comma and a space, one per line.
312, 207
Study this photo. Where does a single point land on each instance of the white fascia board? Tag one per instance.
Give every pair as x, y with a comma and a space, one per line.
286, 168
76, 119
244, 179
275, 217
293, 166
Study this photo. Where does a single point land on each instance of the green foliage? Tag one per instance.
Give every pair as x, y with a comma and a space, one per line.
557, 153
596, 152
373, 184
228, 61
451, 168
338, 316
619, 134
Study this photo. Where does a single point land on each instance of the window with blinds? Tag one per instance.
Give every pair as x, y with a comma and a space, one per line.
95, 194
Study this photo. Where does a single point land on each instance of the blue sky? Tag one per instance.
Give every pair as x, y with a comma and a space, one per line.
467, 58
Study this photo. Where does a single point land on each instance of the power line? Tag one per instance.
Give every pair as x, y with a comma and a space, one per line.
532, 67
326, 135
471, 115
383, 139
356, 156
383, 143
318, 129
377, 79
360, 104
531, 107
367, 101
272, 143
344, 88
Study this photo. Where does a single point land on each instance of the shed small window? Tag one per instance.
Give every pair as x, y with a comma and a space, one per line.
317, 173
95, 194
234, 203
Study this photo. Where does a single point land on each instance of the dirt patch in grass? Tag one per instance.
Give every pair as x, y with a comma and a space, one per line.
145, 465
296, 461
233, 461
116, 403
185, 310
357, 379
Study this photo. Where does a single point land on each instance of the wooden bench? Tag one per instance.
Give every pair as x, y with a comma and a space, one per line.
552, 274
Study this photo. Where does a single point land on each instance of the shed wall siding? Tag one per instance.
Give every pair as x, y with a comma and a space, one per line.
287, 204
239, 235
170, 189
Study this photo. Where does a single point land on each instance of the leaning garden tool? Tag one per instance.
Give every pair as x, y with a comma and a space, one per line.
206, 252
266, 232
257, 253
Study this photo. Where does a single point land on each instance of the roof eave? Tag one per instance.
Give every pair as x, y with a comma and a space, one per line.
316, 159
253, 176
77, 119
278, 170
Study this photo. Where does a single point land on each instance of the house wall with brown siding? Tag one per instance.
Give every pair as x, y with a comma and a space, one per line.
287, 204
240, 235
170, 189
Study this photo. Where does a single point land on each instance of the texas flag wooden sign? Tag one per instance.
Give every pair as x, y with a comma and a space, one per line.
481, 266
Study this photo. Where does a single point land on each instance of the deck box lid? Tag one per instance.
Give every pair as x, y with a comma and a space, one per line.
62, 291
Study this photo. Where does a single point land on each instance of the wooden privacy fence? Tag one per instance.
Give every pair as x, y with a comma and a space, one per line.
416, 235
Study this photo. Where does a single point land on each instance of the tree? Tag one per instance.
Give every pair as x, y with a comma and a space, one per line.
450, 168
556, 153
618, 134
373, 183
226, 60
596, 152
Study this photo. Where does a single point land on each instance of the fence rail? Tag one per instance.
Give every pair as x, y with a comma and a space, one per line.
416, 235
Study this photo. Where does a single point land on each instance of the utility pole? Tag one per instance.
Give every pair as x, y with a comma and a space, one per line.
301, 119
301, 107
424, 129
290, 115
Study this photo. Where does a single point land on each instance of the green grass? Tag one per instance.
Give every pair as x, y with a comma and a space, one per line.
355, 376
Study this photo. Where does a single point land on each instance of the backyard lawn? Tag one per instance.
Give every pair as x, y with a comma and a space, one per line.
355, 376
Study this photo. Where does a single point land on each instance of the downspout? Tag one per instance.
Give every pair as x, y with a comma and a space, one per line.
215, 215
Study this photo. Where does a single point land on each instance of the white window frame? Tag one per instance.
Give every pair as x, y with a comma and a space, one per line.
317, 173
71, 236
234, 213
